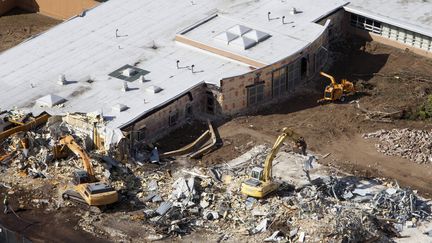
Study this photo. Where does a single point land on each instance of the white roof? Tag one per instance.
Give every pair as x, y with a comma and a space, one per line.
414, 15
285, 39
141, 33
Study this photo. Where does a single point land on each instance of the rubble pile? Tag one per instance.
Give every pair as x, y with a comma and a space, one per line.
400, 204
329, 208
415, 145
167, 201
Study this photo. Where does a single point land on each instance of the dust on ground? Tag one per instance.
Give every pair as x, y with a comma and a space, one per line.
18, 25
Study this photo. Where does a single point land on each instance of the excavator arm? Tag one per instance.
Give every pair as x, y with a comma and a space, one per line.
69, 141
275, 149
333, 81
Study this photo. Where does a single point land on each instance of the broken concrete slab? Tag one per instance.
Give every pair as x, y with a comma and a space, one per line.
277, 236
152, 185
302, 237
164, 208
261, 227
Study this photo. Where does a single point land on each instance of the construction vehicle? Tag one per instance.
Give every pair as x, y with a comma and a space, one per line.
260, 182
8, 130
336, 92
87, 189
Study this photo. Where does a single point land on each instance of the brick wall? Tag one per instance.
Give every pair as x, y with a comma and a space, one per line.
233, 95
338, 26
157, 124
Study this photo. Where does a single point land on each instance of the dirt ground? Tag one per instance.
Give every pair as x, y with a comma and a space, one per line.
18, 25
337, 128
333, 128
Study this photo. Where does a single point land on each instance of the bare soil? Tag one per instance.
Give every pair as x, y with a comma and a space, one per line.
337, 128
18, 25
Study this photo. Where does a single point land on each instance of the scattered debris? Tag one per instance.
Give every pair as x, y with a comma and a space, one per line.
411, 144
178, 202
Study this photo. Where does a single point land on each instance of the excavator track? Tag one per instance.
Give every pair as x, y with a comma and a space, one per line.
77, 200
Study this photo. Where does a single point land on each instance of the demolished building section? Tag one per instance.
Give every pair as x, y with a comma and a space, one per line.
144, 85
169, 203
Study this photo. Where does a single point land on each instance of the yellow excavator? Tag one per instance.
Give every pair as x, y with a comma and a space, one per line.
260, 182
87, 189
336, 92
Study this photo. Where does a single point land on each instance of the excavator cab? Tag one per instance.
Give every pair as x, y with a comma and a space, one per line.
257, 173
256, 177
328, 94
80, 177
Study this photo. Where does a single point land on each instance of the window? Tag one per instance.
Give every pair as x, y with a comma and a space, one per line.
188, 110
141, 134
304, 64
365, 23
294, 74
173, 117
279, 81
392, 32
255, 94
210, 102
320, 59
407, 37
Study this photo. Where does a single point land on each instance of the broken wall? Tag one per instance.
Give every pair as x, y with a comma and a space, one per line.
233, 97
338, 26
369, 36
155, 124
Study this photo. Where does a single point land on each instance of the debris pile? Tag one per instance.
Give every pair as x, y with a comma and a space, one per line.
329, 208
167, 201
415, 145
400, 204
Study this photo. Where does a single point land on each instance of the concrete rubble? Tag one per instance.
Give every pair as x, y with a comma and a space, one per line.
415, 145
320, 207
330, 208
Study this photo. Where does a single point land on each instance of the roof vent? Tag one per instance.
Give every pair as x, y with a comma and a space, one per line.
50, 100
125, 87
256, 35
293, 11
242, 37
142, 79
239, 29
62, 79
129, 72
243, 43
226, 37
119, 107
154, 89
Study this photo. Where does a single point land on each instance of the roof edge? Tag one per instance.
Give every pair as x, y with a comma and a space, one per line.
391, 21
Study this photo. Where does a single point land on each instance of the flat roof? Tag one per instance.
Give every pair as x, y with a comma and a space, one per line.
141, 33
414, 15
